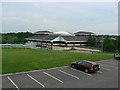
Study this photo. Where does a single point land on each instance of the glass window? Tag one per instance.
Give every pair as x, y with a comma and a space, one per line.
79, 62
89, 65
96, 65
84, 63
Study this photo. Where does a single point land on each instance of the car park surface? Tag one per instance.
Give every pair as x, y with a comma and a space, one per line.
65, 77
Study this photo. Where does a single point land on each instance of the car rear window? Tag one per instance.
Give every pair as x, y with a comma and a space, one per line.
96, 65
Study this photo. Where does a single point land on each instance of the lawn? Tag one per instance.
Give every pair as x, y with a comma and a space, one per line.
20, 60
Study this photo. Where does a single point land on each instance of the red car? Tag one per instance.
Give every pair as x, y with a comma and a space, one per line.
85, 65
117, 57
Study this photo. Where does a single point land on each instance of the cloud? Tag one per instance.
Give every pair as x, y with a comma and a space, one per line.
33, 17
11, 18
108, 28
48, 24
97, 17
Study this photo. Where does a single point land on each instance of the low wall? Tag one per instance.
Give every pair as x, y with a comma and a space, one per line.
60, 48
12, 46
86, 49
75, 48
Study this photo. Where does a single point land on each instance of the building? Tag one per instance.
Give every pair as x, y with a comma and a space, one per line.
61, 39
43, 33
83, 33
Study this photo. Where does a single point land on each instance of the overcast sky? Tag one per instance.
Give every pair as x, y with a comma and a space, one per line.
97, 17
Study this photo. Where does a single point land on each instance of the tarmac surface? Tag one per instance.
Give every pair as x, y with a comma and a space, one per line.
65, 77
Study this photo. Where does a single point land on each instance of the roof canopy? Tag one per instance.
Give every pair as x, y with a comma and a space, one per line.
43, 32
63, 33
52, 37
84, 33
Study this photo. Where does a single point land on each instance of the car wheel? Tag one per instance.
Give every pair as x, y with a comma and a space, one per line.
73, 66
86, 70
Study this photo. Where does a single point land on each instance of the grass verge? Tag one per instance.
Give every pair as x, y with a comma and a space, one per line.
20, 60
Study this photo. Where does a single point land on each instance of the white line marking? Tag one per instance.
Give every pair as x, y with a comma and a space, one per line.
81, 72
35, 80
105, 68
112, 63
57, 67
63, 66
69, 74
13, 83
107, 61
99, 71
108, 65
53, 77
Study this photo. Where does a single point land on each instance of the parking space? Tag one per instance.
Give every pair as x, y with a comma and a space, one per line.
6, 83
65, 77
111, 64
44, 78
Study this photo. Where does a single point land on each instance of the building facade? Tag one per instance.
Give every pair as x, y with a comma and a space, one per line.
61, 39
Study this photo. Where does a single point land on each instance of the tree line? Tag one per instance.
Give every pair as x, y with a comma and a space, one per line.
108, 43
14, 38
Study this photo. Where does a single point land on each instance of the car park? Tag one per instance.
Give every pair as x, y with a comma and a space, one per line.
117, 57
85, 65
64, 77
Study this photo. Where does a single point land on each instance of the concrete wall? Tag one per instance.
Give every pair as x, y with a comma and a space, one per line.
75, 48
60, 48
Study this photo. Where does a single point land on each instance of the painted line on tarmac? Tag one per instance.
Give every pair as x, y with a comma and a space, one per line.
105, 68
107, 61
111, 63
56, 68
35, 80
69, 74
13, 83
99, 72
108, 65
104, 60
81, 72
53, 77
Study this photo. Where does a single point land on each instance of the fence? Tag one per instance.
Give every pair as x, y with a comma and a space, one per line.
12, 46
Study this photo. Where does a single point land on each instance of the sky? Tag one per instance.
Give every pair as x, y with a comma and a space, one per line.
97, 17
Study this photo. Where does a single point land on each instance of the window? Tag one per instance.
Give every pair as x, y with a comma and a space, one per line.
89, 65
84, 63
96, 65
79, 62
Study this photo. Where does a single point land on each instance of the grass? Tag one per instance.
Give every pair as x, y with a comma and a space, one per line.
20, 60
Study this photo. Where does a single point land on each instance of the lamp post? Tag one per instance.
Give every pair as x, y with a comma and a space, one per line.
102, 45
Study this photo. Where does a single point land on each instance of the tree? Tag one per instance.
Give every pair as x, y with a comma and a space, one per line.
92, 41
109, 44
118, 43
14, 38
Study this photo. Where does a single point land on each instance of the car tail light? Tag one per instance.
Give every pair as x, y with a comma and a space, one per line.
95, 67
92, 68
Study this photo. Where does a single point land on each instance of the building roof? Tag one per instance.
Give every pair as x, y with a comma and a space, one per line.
75, 38
43, 37
83, 32
43, 32
51, 37
63, 33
